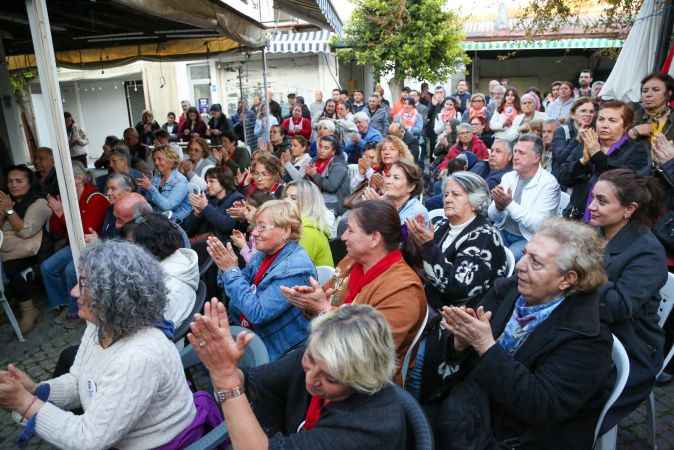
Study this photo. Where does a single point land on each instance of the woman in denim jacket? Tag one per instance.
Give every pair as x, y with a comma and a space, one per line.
255, 298
168, 190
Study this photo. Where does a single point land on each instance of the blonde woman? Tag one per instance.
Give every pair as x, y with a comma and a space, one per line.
317, 221
254, 292
168, 190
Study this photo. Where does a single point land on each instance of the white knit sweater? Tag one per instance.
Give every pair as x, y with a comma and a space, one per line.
134, 395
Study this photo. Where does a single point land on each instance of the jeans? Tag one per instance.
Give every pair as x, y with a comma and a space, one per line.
515, 243
59, 277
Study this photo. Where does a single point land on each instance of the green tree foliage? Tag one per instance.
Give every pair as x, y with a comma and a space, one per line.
407, 38
540, 16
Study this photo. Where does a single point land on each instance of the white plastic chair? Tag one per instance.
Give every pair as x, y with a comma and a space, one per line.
564, 199
607, 441
408, 355
511, 260
324, 274
666, 304
5, 304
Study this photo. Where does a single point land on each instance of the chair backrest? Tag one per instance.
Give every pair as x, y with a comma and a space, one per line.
182, 330
436, 213
419, 433
408, 355
622, 365
324, 274
511, 260
564, 199
666, 300
352, 170
256, 352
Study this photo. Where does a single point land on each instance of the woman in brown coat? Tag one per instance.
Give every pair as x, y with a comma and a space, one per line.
376, 272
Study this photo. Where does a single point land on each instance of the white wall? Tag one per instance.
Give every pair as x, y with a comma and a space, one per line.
99, 106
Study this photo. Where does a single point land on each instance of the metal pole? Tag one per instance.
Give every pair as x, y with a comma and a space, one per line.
242, 115
264, 81
46, 65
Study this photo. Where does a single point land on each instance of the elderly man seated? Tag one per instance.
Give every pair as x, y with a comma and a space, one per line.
526, 196
366, 135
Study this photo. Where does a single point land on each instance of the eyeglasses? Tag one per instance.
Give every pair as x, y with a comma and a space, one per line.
477, 100
260, 174
263, 228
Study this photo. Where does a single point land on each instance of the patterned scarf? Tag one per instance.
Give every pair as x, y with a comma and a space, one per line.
524, 320
447, 114
408, 119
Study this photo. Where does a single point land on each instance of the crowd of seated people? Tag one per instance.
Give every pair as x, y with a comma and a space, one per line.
485, 249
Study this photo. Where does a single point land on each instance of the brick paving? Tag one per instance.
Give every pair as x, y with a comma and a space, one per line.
39, 354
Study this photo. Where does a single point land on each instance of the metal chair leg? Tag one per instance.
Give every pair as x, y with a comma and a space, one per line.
12, 318
650, 412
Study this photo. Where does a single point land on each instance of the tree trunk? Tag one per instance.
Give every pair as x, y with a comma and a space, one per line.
395, 85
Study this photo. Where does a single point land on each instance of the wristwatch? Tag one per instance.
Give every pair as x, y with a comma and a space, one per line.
9, 212
228, 394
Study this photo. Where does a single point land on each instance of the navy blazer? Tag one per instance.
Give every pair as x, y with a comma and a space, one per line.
636, 266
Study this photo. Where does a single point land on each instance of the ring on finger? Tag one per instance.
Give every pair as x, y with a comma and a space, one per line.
202, 343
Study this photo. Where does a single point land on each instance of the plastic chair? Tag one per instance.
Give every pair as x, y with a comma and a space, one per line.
324, 274
419, 433
408, 355
5, 304
181, 332
665, 308
564, 199
608, 440
256, 355
510, 257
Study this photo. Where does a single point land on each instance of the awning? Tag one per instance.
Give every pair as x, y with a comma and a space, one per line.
317, 12
90, 34
556, 44
306, 42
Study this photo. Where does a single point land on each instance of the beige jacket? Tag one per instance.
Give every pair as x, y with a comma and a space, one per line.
26, 242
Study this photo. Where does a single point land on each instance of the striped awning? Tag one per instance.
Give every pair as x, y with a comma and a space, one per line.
306, 42
552, 44
318, 12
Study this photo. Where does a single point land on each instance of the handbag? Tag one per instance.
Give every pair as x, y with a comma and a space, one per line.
664, 231
357, 195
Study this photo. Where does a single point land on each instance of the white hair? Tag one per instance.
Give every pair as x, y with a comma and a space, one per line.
361, 116
327, 124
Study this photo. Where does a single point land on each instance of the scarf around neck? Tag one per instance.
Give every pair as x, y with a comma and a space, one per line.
524, 320
358, 278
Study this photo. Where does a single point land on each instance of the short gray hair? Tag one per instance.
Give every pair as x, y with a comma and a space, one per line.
581, 251
464, 127
123, 151
356, 344
328, 124
500, 88
477, 189
554, 122
361, 116
535, 139
126, 286
79, 170
124, 180
508, 144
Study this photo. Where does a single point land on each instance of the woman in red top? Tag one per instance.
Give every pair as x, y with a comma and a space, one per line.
193, 126
467, 141
296, 124
58, 271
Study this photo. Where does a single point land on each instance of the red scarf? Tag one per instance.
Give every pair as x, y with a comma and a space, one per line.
266, 263
473, 113
447, 115
313, 412
408, 119
322, 164
359, 279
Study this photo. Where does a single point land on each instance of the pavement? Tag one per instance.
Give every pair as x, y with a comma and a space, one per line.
38, 356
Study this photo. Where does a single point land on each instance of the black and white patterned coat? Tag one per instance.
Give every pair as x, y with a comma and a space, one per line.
466, 268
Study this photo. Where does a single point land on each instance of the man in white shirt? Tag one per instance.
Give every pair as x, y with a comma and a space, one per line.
526, 196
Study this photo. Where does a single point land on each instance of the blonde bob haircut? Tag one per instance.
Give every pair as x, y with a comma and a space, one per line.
399, 145
356, 345
581, 251
283, 214
170, 154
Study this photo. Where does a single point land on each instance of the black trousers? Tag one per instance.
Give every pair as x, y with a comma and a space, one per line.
19, 288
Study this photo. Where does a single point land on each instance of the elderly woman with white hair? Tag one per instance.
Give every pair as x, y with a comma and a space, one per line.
324, 127
465, 253
366, 135
530, 368
127, 376
335, 393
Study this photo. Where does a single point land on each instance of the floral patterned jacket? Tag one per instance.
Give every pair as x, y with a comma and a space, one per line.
461, 271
